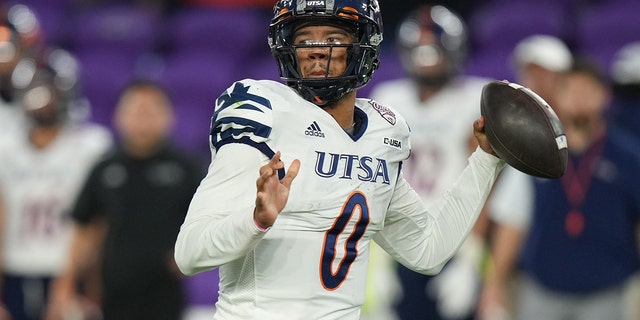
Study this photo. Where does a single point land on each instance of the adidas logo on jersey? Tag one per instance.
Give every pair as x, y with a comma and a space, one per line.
314, 130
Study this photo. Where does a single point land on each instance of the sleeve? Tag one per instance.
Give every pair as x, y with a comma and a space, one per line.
219, 226
424, 239
242, 116
511, 202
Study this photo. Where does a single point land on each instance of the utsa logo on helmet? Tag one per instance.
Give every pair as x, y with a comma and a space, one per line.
314, 3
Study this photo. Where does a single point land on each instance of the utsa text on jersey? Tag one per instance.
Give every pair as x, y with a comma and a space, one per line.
364, 168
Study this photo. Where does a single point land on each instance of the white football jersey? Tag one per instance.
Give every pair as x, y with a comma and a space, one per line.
38, 188
441, 130
312, 263
12, 120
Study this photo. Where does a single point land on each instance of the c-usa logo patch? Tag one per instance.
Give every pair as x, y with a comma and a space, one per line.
385, 112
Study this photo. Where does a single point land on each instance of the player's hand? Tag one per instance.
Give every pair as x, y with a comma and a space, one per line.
273, 193
481, 137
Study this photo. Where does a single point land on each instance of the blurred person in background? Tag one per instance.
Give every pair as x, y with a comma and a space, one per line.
573, 241
539, 62
625, 113
128, 215
439, 102
20, 35
625, 75
41, 170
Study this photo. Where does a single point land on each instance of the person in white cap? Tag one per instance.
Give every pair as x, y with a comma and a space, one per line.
625, 112
571, 243
538, 61
625, 77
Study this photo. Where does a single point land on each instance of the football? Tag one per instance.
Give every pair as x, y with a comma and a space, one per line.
524, 130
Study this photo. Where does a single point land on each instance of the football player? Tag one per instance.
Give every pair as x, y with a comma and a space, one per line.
41, 171
439, 103
304, 175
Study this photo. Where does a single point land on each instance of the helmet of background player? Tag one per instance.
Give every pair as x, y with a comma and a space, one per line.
48, 87
432, 44
360, 16
625, 69
20, 35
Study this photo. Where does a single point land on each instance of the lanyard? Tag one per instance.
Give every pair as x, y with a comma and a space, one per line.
576, 182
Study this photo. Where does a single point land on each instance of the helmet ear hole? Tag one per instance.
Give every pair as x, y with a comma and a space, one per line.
361, 17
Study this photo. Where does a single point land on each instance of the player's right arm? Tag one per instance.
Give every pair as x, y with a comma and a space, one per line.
242, 193
220, 225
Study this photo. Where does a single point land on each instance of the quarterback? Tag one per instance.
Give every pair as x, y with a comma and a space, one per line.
304, 175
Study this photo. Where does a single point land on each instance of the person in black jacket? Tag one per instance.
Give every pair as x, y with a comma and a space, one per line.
129, 213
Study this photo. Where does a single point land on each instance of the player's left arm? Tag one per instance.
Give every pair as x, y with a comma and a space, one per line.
425, 239
456, 288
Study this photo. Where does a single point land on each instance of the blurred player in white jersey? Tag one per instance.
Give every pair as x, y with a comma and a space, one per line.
304, 175
438, 102
19, 36
41, 171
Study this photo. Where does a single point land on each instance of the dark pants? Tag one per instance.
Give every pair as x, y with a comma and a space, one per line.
25, 297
